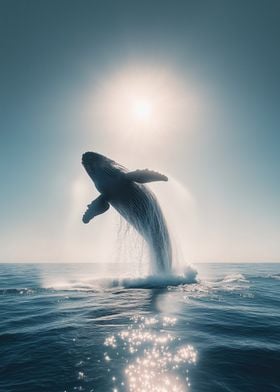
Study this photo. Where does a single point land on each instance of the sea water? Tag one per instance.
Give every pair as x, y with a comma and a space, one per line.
87, 327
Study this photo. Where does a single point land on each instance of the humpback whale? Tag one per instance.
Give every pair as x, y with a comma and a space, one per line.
125, 191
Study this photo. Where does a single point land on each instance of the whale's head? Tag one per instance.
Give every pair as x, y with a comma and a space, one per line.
95, 163
101, 169
92, 161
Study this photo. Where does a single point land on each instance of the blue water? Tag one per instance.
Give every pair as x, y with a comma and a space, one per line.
75, 328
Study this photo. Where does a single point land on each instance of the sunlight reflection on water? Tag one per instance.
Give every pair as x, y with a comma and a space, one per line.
156, 360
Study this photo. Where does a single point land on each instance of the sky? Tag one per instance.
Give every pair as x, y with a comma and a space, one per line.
188, 88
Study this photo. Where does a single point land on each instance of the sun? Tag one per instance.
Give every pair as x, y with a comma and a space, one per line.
143, 103
142, 109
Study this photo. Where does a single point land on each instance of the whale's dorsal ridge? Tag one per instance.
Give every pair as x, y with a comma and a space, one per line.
144, 176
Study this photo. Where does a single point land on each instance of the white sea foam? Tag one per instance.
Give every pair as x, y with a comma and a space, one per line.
231, 283
274, 276
237, 277
83, 283
158, 281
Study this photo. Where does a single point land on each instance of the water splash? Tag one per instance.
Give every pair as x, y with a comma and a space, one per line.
86, 283
168, 229
146, 216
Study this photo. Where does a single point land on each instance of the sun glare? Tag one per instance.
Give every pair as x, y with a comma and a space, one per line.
142, 103
142, 109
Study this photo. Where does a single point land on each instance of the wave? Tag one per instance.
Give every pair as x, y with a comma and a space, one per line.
154, 282
273, 276
188, 276
231, 283
231, 278
99, 284
19, 291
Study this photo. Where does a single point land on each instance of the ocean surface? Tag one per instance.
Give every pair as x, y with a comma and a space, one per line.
74, 327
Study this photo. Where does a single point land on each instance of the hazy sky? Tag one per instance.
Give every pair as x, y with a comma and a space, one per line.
70, 74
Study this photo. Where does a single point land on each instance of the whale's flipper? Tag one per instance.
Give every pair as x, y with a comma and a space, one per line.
97, 207
143, 176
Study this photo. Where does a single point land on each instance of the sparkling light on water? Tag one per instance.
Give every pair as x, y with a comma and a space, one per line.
156, 358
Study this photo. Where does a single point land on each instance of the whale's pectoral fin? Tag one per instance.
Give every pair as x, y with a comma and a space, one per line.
97, 207
143, 176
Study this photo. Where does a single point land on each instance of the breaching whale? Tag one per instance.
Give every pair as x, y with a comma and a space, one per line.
124, 190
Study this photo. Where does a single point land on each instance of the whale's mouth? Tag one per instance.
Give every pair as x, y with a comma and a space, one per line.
87, 166
87, 158
91, 159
